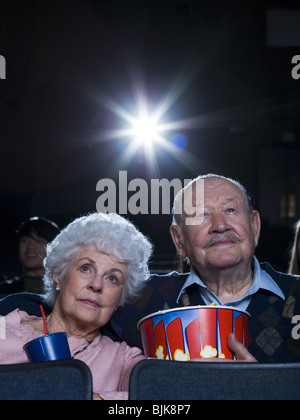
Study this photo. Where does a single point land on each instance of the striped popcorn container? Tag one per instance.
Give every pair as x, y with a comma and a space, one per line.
193, 332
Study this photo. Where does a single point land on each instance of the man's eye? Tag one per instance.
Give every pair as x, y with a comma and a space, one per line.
202, 212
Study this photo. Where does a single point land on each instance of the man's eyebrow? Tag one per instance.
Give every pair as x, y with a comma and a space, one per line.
233, 200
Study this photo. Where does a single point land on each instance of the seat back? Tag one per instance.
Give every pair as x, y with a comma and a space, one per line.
56, 380
171, 380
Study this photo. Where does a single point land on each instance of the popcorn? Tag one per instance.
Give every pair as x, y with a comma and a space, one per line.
208, 352
160, 352
179, 355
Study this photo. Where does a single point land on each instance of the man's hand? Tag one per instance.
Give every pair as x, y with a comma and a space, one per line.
240, 352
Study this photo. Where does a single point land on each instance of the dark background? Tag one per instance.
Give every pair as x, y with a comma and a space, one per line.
226, 66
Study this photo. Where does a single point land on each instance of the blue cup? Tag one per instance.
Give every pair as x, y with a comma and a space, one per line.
48, 347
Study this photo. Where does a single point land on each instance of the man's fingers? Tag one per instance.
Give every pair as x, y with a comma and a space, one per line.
240, 352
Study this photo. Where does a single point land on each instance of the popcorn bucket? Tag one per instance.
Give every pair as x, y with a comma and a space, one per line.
193, 332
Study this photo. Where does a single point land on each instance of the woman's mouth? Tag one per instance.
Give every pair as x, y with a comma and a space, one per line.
90, 302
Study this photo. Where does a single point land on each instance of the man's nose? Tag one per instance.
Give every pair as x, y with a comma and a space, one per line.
218, 223
30, 242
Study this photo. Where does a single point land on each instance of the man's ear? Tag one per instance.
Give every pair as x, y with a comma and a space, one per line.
256, 224
178, 239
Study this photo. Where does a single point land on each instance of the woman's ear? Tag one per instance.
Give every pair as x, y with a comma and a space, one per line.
56, 281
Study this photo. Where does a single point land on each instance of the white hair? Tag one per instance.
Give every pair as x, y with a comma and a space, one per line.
178, 216
110, 233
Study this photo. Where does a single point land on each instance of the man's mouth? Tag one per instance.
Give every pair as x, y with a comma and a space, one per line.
32, 255
222, 239
222, 242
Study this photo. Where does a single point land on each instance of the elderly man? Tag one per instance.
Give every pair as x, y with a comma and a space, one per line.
216, 230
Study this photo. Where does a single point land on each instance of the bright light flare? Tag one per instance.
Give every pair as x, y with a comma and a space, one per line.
149, 129
145, 130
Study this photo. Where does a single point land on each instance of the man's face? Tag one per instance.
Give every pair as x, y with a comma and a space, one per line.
226, 233
32, 251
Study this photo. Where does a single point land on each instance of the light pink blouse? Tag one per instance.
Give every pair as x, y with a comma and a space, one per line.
110, 362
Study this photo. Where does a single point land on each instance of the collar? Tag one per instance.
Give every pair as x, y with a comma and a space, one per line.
261, 280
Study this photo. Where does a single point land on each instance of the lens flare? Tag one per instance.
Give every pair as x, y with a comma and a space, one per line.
145, 130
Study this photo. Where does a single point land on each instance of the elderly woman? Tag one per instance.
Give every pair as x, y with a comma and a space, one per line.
97, 263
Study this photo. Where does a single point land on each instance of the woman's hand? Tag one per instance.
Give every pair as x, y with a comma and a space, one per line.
96, 397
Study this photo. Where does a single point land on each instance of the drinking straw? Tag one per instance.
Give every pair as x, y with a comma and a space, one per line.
44, 319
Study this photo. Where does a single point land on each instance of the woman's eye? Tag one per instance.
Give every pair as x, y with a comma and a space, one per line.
85, 269
111, 281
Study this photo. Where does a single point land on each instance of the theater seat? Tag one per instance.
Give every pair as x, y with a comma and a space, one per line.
57, 380
170, 380
28, 302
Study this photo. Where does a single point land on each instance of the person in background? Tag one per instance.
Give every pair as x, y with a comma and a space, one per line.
33, 236
294, 265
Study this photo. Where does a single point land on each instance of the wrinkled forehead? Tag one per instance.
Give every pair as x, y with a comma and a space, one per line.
212, 190
204, 193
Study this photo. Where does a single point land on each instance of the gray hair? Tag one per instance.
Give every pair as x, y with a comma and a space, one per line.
110, 233
177, 214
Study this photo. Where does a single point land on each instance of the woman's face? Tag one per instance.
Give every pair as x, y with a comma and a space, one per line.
91, 288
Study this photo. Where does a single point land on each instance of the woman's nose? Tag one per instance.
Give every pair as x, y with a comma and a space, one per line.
96, 285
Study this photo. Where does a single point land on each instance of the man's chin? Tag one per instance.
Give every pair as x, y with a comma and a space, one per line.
33, 268
224, 261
